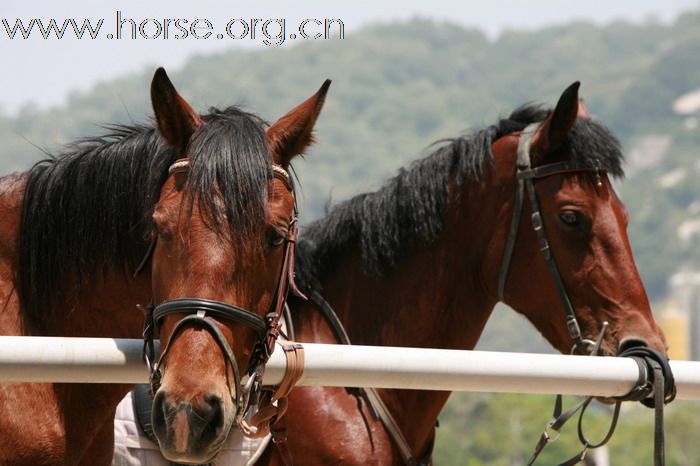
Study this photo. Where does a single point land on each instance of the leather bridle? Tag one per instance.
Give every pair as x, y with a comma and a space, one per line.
655, 374
525, 179
206, 313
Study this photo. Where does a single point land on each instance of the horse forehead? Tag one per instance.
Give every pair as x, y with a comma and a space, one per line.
574, 182
578, 186
170, 199
280, 200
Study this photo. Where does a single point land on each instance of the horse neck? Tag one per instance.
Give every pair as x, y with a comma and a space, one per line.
434, 298
110, 308
106, 308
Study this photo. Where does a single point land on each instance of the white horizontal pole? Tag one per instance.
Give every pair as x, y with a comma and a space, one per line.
95, 360
69, 360
476, 371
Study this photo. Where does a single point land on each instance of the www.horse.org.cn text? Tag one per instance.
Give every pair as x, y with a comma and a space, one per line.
270, 31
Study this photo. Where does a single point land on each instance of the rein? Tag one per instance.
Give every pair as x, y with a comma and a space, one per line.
655, 376
655, 379
205, 313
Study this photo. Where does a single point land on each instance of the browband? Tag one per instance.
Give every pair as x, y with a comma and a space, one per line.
280, 173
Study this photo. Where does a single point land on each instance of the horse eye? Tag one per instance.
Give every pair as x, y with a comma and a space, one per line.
570, 218
161, 232
275, 239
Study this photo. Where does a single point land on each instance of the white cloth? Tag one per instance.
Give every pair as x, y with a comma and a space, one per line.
132, 448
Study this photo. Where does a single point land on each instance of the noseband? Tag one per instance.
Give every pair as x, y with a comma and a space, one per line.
525, 178
205, 313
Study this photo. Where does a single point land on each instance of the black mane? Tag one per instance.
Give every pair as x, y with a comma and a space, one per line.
88, 210
410, 208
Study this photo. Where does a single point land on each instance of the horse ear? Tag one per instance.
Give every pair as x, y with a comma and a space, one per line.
556, 127
583, 110
176, 119
293, 133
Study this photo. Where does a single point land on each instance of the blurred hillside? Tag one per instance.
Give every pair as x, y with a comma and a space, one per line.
399, 87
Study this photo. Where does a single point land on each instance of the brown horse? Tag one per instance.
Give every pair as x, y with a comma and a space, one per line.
422, 262
74, 228
241, 281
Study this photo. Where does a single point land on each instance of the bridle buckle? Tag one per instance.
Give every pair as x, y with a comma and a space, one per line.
550, 438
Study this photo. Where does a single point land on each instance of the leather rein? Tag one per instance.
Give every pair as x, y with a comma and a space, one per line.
206, 313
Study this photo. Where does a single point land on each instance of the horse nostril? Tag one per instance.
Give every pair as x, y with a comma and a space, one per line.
212, 417
158, 414
631, 342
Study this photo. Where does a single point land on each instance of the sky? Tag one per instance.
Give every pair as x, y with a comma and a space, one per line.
45, 71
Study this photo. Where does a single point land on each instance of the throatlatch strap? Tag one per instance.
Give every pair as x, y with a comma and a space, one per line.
512, 237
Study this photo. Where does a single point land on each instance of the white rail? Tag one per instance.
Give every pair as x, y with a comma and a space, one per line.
94, 360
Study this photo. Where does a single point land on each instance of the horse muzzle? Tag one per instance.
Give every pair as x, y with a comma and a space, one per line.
190, 432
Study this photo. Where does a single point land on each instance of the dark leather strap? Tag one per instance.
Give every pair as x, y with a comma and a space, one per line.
142, 401
655, 377
651, 358
558, 421
512, 236
202, 320
373, 401
538, 225
215, 309
525, 177
341, 335
289, 334
147, 257
331, 317
659, 380
651, 363
201, 312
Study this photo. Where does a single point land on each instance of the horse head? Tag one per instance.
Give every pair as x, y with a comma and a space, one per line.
572, 273
222, 264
